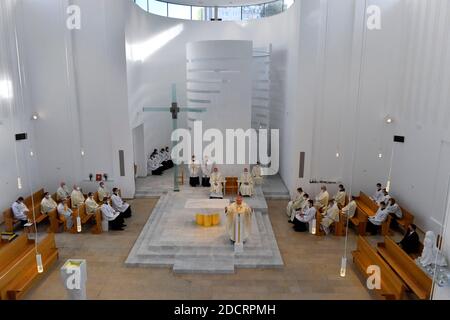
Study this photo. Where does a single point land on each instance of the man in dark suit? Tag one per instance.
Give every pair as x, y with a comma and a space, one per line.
410, 242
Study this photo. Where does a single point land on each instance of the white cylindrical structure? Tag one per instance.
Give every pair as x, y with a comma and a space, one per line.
219, 78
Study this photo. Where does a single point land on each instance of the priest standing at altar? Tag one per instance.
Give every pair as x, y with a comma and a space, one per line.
239, 231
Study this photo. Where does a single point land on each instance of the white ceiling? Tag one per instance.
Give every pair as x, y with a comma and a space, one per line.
222, 3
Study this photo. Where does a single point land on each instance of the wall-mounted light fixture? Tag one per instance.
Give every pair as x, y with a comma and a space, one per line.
35, 116
388, 119
338, 154
82, 152
380, 155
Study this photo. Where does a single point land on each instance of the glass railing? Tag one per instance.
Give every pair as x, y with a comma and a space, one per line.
231, 13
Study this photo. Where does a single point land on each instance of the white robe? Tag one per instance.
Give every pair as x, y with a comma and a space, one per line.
118, 204
246, 184
246, 220
395, 209
62, 193
307, 215
48, 205
20, 211
340, 198
102, 193
322, 199
108, 212
378, 195
67, 213
350, 209
384, 198
216, 180
295, 204
256, 174
91, 206
77, 198
332, 215
194, 170
379, 217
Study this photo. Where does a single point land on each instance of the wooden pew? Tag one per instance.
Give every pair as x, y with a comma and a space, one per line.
85, 218
366, 208
21, 272
392, 287
414, 277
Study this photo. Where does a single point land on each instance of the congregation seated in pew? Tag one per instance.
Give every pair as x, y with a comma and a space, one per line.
246, 184
322, 198
47, 203
65, 213
330, 216
119, 205
340, 195
304, 218
114, 217
91, 204
385, 197
62, 192
295, 204
394, 210
102, 192
76, 197
349, 210
20, 211
378, 195
374, 222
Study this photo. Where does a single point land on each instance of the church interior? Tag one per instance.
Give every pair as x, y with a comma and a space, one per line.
126, 173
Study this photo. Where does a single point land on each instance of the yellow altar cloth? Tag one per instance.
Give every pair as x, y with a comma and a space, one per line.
207, 219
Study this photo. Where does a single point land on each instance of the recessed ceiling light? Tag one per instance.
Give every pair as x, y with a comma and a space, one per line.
380, 155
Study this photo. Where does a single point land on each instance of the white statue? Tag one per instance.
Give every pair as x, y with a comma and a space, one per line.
431, 253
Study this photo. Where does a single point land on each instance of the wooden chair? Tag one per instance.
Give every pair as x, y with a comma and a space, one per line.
392, 287
231, 186
406, 268
19, 272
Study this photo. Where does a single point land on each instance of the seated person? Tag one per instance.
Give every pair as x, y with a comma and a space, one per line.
119, 205
302, 208
20, 211
246, 184
194, 172
216, 181
114, 217
340, 196
77, 197
154, 166
91, 205
296, 203
394, 210
256, 174
65, 212
102, 191
322, 198
378, 195
377, 220
385, 197
62, 192
47, 203
410, 242
169, 158
331, 216
349, 210
163, 159
303, 218
206, 170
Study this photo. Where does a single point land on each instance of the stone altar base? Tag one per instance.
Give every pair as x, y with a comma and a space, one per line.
171, 237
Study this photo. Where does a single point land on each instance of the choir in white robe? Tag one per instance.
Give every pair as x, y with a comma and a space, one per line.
302, 209
65, 211
216, 181
102, 193
118, 204
91, 206
379, 217
378, 195
350, 209
295, 204
108, 212
77, 198
20, 211
48, 205
395, 210
246, 184
322, 199
246, 220
256, 174
62, 193
340, 198
303, 218
385, 199
332, 215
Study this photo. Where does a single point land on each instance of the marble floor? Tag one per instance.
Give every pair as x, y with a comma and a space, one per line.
310, 271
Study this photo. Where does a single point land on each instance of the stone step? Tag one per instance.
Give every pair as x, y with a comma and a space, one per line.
212, 264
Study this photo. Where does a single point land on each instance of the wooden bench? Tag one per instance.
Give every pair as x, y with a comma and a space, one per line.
85, 218
231, 185
366, 208
21, 272
414, 277
392, 287
33, 203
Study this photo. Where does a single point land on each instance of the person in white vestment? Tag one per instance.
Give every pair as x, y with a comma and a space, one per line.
304, 217
431, 254
331, 216
239, 207
102, 191
119, 205
322, 198
91, 204
206, 172
256, 174
66, 212
77, 197
340, 196
216, 181
377, 220
246, 184
114, 217
303, 207
154, 166
349, 210
47, 203
378, 195
169, 158
62, 192
194, 172
385, 198
296, 203
20, 211
394, 210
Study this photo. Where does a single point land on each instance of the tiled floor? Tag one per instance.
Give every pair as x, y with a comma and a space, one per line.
311, 268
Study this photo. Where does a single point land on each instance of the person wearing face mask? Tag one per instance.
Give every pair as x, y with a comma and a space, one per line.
322, 198
340, 196
246, 184
331, 216
47, 203
91, 204
62, 192
304, 218
66, 212
119, 205
102, 191
77, 197
20, 211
